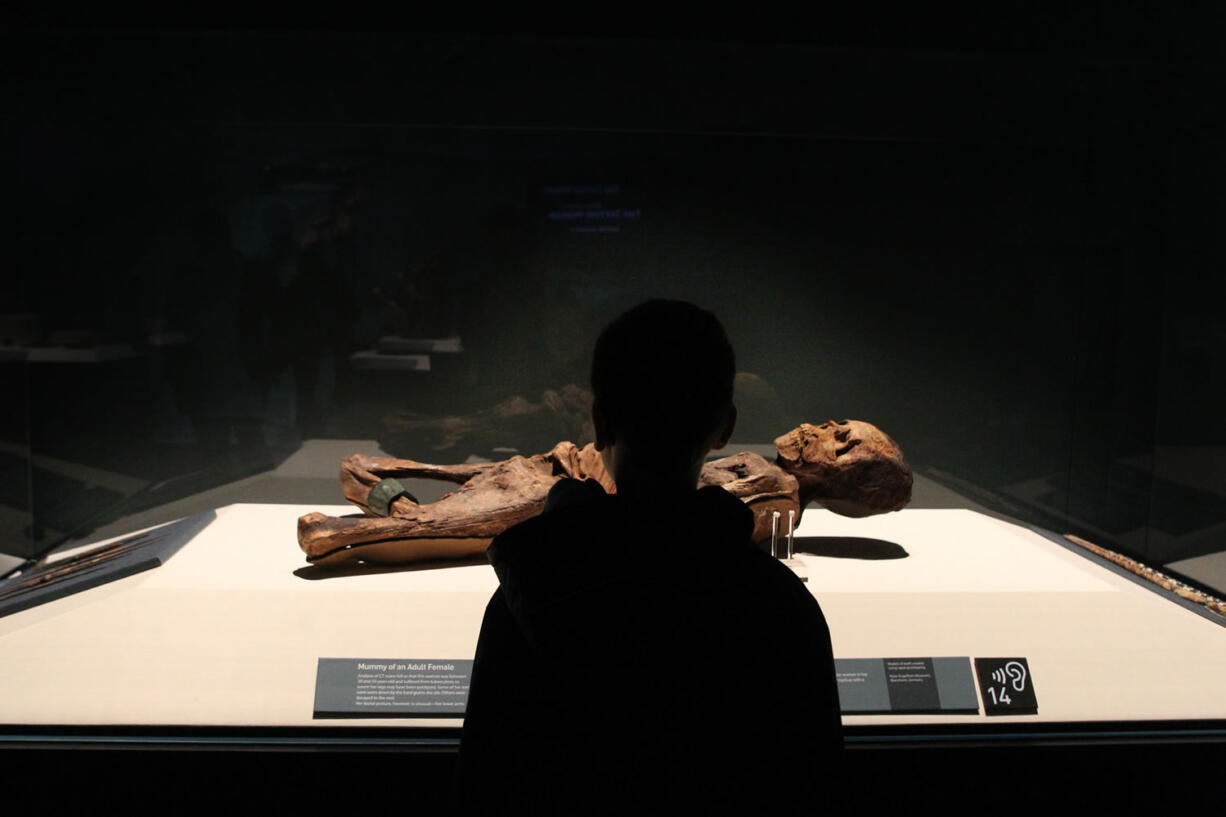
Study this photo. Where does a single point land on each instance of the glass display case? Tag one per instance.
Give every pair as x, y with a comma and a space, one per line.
282, 250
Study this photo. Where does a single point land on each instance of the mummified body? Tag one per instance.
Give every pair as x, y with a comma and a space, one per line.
851, 467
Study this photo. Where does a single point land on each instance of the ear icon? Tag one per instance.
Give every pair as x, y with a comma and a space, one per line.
1017, 675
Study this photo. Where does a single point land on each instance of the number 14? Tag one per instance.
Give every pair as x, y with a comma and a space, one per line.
1003, 698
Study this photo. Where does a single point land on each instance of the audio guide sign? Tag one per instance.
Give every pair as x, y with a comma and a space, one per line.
1006, 686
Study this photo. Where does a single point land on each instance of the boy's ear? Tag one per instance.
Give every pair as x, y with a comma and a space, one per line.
726, 434
604, 435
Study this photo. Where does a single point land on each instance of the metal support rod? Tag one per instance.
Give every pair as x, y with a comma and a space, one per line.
791, 531
774, 534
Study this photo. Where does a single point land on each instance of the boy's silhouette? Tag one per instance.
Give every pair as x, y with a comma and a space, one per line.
641, 653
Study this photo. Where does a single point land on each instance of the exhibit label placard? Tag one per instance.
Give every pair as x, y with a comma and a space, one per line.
399, 687
1006, 686
906, 686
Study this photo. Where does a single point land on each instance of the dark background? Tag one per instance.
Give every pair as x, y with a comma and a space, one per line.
998, 239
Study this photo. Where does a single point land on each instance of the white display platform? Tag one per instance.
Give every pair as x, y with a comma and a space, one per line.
228, 631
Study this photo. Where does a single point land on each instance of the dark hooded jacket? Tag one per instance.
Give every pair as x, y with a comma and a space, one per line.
651, 664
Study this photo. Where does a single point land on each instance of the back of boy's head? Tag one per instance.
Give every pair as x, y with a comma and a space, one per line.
662, 374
